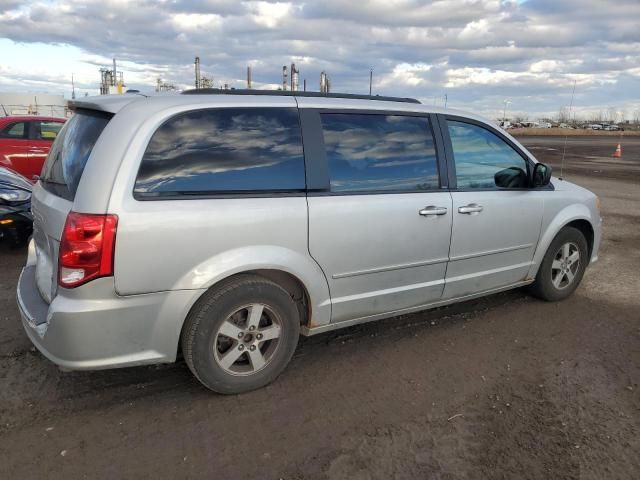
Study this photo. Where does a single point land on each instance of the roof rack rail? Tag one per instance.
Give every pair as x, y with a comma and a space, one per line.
288, 93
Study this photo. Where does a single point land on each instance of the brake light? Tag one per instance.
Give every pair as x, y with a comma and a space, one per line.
86, 248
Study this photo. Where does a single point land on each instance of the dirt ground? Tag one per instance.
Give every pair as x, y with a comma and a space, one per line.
503, 387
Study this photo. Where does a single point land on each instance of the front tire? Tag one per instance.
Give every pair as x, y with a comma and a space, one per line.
241, 335
563, 266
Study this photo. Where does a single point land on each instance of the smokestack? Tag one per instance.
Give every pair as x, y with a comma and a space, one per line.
114, 68
284, 77
197, 68
249, 77
294, 77
324, 83
304, 82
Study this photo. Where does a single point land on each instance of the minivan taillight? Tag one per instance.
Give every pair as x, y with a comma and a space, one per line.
86, 248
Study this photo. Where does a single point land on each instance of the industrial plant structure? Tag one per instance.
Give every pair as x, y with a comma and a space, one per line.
111, 81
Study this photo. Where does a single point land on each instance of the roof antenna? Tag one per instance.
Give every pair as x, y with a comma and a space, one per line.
564, 148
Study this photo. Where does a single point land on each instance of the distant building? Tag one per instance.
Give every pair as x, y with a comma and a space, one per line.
16, 103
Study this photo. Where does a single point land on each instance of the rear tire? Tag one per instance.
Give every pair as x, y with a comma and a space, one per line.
241, 335
563, 266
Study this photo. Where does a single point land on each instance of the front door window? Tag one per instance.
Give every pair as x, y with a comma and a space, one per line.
485, 161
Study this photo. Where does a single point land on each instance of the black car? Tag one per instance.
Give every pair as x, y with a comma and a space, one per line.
16, 221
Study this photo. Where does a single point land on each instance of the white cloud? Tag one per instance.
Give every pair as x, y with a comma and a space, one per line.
269, 14
193, 21
475, 51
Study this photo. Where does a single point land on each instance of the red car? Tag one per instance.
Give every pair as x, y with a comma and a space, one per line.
25, 142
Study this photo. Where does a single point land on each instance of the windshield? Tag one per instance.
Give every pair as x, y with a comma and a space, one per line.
69, 153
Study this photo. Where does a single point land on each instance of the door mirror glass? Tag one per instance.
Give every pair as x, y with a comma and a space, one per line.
512, 177
541, 175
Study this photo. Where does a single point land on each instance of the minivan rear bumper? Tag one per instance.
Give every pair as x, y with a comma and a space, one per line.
92, 328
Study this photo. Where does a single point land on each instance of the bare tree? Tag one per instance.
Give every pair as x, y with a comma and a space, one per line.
564, 115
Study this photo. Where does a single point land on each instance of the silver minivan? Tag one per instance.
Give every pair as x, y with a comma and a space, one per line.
224, 224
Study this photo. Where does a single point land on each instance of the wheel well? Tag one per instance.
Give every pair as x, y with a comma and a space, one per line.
587, 230
294, 286
287, 281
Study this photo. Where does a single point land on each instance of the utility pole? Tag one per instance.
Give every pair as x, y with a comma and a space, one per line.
504, 111
197, 71
370, 80
73, 89
445, 100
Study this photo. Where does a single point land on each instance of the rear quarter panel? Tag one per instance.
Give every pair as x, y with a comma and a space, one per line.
193, 244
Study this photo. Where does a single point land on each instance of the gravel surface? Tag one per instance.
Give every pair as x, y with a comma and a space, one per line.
502, 387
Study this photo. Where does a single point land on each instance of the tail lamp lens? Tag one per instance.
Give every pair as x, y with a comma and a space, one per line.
86, 248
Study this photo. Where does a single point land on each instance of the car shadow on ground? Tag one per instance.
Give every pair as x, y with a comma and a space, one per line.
49, 389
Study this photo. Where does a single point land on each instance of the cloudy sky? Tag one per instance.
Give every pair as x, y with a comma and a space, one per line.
478, 53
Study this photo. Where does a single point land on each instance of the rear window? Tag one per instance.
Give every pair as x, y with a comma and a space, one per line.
69, 153
225, 150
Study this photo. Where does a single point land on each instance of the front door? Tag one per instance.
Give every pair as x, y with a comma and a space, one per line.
381, 229
496, 216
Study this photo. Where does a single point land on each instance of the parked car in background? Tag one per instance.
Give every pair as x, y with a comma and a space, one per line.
25, 142
225, 223
16, 221
593, 126
613, 128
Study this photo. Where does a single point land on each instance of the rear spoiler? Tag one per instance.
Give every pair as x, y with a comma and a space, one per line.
105, 103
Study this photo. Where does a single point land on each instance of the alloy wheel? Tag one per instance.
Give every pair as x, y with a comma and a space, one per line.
565, 265
247, 339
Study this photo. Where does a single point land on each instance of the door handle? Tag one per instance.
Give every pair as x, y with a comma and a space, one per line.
432, 210
470, 209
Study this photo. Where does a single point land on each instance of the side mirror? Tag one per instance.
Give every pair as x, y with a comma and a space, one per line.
541, 175
512, 177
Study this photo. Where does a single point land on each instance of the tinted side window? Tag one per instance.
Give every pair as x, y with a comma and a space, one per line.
14, 130
484, 160
379, 153
224, 150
